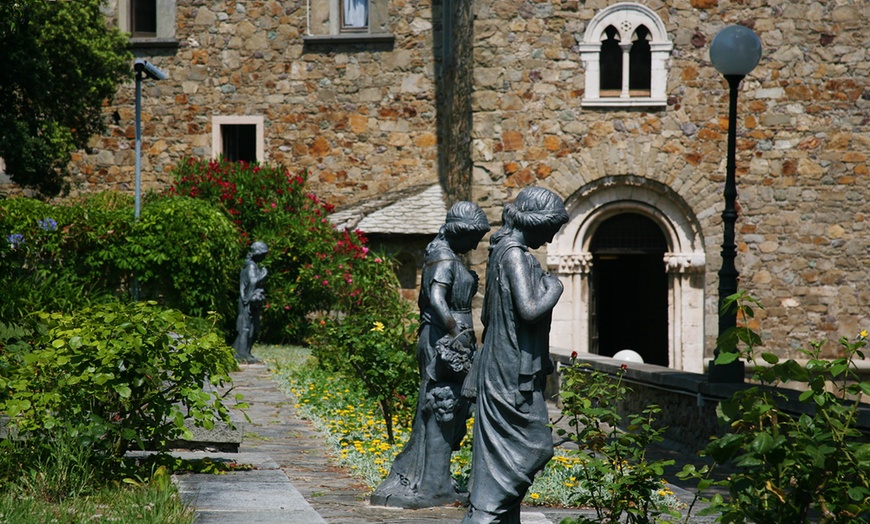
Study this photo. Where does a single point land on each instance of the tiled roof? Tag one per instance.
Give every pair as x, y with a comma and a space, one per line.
419, 210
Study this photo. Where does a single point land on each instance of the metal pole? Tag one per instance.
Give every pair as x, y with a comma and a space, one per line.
138, 165
728, 274
138, 142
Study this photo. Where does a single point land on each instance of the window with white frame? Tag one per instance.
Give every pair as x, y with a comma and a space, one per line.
351, 20
238, 138
354, 16
148, 21
625, 51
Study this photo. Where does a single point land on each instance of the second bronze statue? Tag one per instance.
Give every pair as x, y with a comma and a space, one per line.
420, 476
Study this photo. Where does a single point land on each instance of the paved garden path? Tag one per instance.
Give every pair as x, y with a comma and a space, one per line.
312, 489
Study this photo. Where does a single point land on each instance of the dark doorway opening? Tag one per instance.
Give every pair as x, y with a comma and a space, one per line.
629, 306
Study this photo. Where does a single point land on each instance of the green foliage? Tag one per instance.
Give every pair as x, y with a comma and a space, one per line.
111, 375
51, 469
376, 346
61, 62
620, 484
61, 257
183, 252
312, 266
153, 502
807, 467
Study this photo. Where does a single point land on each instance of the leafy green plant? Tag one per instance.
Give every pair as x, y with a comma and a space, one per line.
185, 255
378, 348
811, 466
183, 251
112, 375
614, 475
312, 266
69, 62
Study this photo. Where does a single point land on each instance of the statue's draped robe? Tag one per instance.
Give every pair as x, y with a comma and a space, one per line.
420, 475
512, 440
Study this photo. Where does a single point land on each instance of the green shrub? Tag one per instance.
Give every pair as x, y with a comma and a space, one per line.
372, 338
796, 468
57, 258
611, 473
112, 375
312, 266
184, 253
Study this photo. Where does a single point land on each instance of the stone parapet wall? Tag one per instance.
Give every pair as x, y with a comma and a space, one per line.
802, 146
688, 400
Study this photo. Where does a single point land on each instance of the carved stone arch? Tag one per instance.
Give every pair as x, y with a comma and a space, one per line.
626, 17
685, 262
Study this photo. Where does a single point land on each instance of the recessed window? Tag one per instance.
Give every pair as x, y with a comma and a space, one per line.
151, 23
348, 21
625, 51
611, 63
639, 63
238, 138
143, 17
354, 16
239, 142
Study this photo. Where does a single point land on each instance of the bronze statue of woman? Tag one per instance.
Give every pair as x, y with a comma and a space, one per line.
512, 439
420, 476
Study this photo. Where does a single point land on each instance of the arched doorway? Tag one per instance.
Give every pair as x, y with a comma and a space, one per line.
629, 292
572, 257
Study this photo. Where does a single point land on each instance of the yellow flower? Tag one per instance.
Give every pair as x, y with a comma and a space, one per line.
535, 496
378, 327
863, 334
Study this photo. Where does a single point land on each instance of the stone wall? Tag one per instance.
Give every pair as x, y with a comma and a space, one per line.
687, 400
359, 116
802, 142
453, 34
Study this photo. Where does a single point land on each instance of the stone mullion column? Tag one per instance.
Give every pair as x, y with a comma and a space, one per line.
626, 62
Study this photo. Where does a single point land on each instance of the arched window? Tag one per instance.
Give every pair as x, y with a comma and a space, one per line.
625, 51
611, 62
639, 63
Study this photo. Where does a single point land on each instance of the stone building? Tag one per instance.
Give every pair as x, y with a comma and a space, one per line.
614, 106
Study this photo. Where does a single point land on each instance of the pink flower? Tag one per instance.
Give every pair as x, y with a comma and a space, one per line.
273, 205
378, 260
287, 308
326, 282
350, 281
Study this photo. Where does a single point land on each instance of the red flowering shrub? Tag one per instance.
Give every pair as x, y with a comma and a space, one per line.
312, 266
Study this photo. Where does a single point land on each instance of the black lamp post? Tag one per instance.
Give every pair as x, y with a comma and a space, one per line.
735, 51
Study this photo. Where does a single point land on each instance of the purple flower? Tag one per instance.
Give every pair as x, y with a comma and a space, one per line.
15, 239
48, 224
